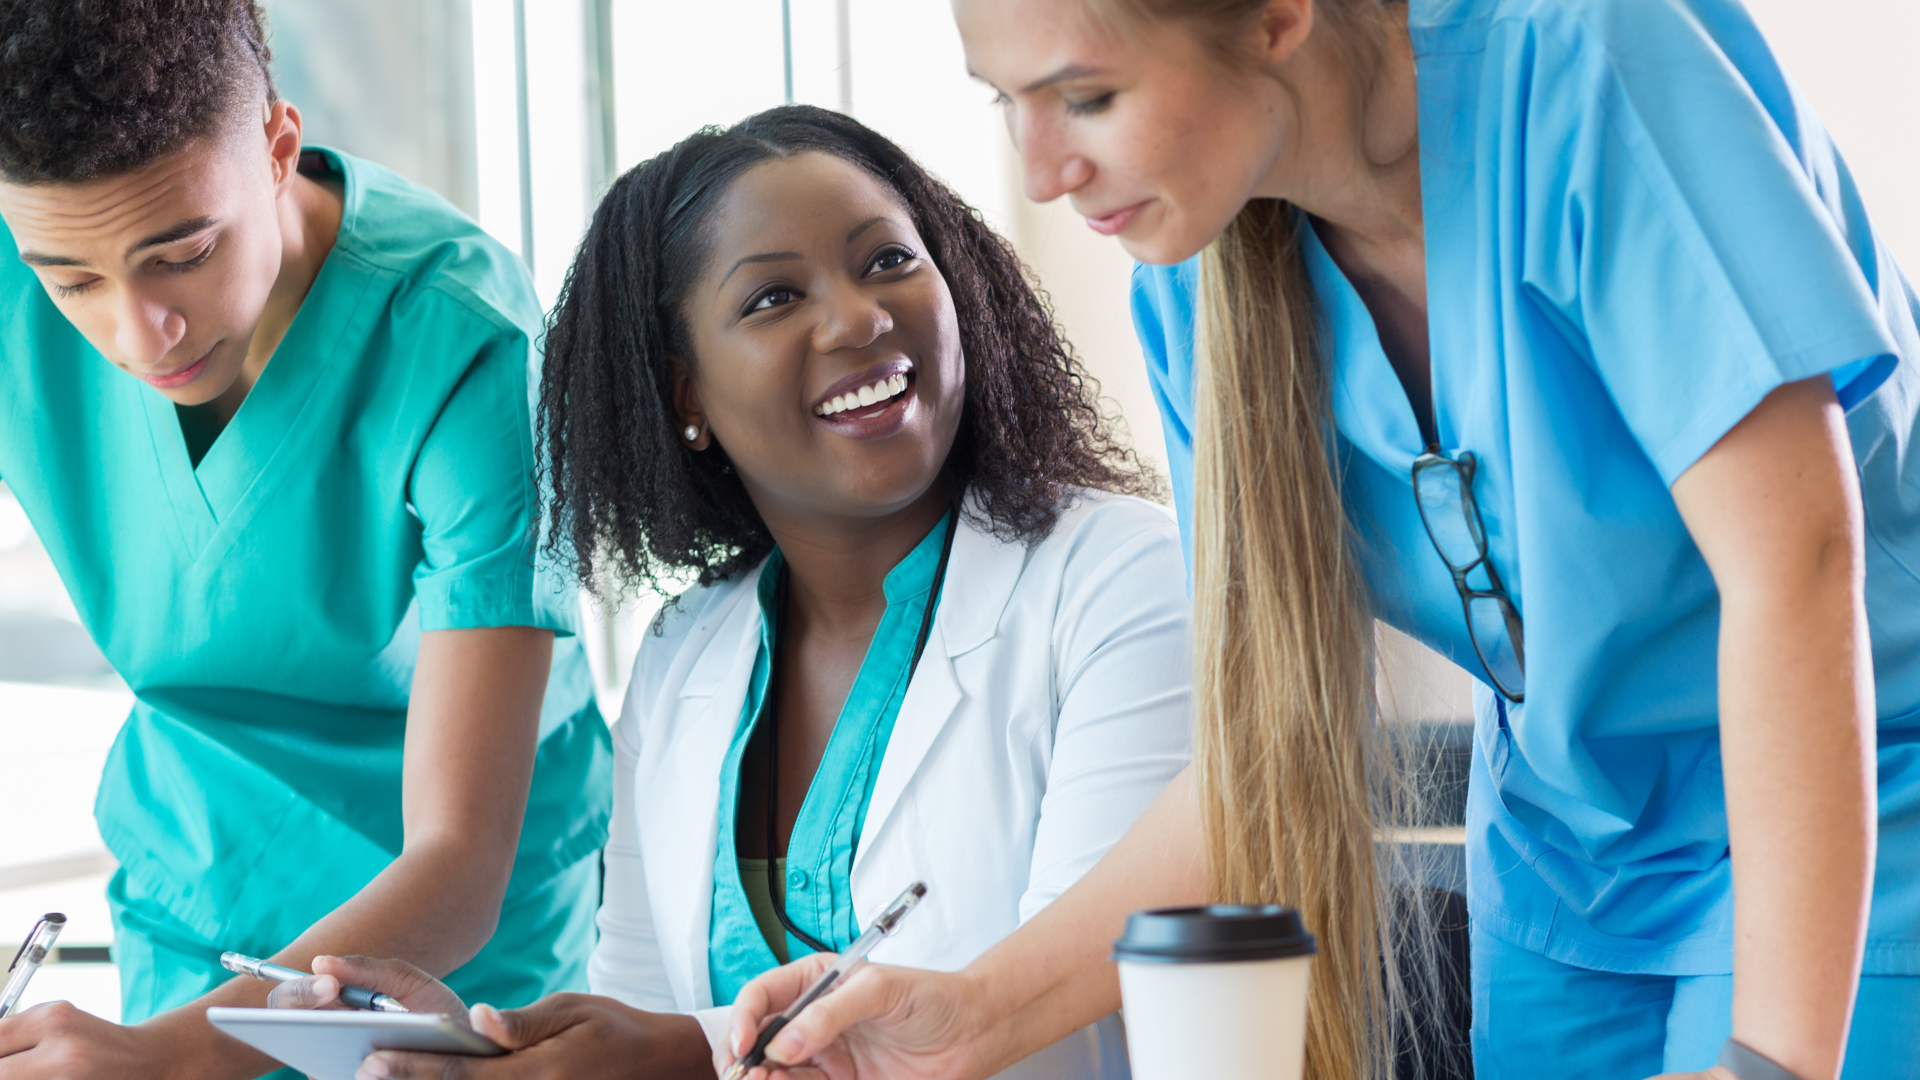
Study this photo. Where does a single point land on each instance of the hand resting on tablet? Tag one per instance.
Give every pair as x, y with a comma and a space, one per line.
572, 1035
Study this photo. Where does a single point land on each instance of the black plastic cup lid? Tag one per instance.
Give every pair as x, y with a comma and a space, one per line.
1217, 933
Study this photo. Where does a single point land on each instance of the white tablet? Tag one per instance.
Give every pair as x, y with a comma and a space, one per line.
331, 1044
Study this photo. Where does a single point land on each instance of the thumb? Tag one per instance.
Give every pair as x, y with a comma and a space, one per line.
868, 994
312, 992
517, 1029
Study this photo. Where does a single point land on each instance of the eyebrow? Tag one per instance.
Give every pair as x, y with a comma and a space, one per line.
788, 256
1071, 71
864, 226
771, 256
171, 235
34, 258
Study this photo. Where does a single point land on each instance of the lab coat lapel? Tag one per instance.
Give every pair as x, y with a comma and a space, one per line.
981, 577
681, 803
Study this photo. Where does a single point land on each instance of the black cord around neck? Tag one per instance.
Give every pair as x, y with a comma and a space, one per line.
772, 713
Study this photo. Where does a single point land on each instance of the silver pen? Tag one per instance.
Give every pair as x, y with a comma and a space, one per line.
33, 952
855, 954
353, 997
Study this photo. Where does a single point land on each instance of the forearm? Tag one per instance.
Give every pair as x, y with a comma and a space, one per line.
1055, 975
1797, 741
433, 906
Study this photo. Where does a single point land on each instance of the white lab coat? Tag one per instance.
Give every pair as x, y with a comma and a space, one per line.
1049, 709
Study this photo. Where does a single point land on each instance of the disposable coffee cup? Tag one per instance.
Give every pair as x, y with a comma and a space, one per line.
1215, 992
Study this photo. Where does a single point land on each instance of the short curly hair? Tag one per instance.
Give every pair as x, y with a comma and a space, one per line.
630, 504
93, 88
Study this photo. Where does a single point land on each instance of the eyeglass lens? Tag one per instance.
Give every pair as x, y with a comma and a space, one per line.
1443, 488
1494, 634
1439, 485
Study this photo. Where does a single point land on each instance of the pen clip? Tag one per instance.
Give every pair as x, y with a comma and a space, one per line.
31, 934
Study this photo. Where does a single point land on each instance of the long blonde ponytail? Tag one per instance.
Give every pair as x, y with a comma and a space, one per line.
1297, 783
1286, 747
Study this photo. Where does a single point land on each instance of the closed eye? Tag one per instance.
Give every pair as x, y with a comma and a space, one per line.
1091, 106
65, 291
185, 265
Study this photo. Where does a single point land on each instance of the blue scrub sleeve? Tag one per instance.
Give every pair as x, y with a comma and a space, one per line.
473, 490
1695, 226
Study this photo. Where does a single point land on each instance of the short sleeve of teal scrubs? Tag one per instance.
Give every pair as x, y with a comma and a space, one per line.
472, 487
1636, 229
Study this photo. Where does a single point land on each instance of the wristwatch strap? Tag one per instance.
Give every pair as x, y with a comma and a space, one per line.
1750, 1064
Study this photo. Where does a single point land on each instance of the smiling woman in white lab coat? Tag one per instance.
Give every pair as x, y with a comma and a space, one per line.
1023, 692
935, 638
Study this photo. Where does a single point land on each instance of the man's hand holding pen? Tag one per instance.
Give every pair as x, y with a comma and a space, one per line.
576, 1035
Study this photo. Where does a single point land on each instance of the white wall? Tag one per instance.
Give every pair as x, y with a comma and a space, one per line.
1854, 61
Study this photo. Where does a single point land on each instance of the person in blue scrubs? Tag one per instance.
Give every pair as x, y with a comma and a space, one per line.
268, 407
1617, 391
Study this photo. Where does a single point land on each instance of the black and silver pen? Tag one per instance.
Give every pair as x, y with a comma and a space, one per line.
353, 997
883, 926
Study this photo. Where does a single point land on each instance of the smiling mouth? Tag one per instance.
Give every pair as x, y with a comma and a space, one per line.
866, 400
1115, 223
177, 379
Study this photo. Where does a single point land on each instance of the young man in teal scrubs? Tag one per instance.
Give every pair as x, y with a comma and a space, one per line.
268, 408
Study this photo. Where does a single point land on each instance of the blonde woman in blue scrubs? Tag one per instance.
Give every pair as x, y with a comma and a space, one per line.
1554, 333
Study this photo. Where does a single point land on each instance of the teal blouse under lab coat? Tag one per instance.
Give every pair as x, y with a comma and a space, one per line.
818, 891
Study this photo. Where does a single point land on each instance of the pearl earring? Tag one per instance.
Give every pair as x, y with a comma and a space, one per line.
692, 433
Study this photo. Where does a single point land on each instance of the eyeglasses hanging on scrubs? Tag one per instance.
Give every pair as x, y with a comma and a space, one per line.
1443, 487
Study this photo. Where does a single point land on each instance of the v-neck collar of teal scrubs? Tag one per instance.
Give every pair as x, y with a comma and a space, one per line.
255, 450
820, 853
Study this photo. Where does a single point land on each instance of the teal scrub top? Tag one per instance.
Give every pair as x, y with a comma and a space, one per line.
266, 608
818, 895
1635, 230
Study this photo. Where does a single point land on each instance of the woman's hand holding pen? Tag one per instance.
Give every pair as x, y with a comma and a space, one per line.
56, 1041
882, 1022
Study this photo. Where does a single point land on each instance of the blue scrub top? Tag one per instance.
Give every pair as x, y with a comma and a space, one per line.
818, 897
1636, 229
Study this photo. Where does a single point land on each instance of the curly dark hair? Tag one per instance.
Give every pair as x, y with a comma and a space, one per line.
628, 497
92, 88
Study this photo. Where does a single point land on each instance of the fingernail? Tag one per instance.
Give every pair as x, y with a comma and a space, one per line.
374, 1068
784, 1048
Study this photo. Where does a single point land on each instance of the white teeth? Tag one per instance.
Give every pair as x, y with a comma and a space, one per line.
866, 395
